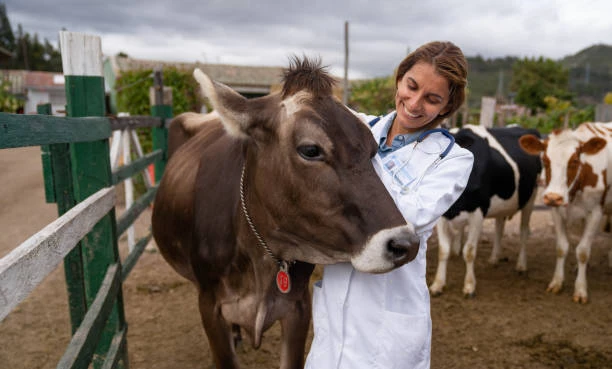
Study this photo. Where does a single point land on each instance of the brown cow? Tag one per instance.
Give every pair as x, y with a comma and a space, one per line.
578, 170
276, 183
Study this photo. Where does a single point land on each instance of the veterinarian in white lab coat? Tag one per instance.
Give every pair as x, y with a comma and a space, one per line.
373, 321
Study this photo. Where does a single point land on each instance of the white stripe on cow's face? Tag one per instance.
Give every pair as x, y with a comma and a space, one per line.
562, 153
296, 102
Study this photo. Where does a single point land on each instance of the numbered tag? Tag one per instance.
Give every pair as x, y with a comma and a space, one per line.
283, 281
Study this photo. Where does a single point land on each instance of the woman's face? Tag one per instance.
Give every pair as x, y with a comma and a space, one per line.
422, 94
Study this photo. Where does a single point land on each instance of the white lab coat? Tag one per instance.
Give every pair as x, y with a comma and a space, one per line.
383, 321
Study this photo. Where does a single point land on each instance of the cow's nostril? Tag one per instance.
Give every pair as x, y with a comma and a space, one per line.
402, 250
396, 249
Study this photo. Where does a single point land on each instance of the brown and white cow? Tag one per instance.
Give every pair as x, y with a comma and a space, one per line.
279, 182
578, 170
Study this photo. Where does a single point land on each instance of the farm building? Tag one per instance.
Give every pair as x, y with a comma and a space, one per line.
35, 87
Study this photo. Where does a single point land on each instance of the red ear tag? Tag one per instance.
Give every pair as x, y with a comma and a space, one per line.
283, 282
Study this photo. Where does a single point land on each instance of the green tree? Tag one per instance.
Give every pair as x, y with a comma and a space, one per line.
7, 38
535, 79
373, 96
30, 52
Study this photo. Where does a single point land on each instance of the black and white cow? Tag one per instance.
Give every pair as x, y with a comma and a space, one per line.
503, 181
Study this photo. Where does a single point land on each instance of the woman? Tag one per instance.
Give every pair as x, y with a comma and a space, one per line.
383, 320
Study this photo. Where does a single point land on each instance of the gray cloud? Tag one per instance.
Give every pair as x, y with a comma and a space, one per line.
266, 32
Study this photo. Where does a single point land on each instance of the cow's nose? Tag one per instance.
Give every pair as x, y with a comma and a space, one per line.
553, 199
401, 250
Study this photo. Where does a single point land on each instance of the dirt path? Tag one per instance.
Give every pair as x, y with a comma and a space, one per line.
511, 323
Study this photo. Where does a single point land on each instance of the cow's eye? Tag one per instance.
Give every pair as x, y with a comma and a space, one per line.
310, 152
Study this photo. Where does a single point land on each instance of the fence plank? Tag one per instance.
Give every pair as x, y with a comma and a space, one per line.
133, 122
26, 266
18, 130
83, 343
127, 171
133, 256
130, 215
117, 347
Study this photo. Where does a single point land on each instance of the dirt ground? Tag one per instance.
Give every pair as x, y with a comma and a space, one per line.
511, 323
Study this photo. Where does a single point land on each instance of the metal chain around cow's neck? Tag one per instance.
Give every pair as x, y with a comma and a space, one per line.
252, 226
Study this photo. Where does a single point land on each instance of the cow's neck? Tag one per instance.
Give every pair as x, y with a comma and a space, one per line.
283, 281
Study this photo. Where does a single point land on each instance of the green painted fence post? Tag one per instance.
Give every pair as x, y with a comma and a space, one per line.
91, 171
57, 171
161, 106
45, 109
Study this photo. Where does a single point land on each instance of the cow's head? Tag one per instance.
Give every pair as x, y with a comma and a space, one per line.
568, 167
311, 187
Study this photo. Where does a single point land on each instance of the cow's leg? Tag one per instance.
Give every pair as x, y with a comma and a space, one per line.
469, 251
560, 225
218, 332
583, 253
521, 261
444, 243
500, 222
294, 327
456, 230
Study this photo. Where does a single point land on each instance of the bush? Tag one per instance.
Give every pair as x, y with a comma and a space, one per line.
554, 116
133, 91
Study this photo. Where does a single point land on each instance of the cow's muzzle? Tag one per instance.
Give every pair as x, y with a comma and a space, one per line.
553, 199
388, 249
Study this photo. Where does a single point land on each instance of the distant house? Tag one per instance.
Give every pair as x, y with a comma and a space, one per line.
250, 81
33, 88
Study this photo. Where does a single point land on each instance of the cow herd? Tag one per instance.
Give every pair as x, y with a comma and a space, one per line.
508, 163
257, 192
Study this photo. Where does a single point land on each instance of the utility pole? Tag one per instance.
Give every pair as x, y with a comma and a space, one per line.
500, 85
345, 91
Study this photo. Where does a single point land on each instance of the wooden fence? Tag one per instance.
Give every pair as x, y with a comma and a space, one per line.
78, 177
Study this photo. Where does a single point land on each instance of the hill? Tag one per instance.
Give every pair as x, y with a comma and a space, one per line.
590, 75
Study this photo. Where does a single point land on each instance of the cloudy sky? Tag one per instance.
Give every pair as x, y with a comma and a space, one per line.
267, 32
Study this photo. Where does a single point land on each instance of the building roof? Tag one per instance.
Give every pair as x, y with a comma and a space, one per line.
22, 80
44, 80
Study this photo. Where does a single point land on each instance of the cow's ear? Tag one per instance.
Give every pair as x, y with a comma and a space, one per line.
531, 144
231, 106
593, 146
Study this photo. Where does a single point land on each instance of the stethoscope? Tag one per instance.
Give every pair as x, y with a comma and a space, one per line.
442, 155
420, 138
